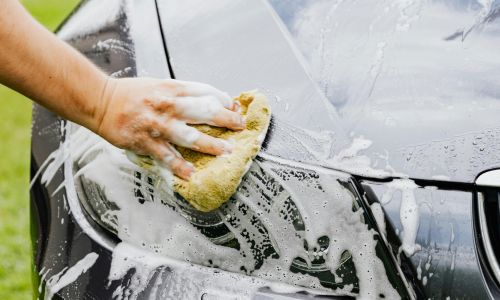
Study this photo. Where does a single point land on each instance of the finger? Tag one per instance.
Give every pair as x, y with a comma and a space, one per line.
211, 145
169, 158
179, 133
186, 136
174, 161
229, 119
198, 89
236, 106
206, 110
198, 110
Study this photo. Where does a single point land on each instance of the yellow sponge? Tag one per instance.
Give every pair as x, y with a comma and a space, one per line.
217, 177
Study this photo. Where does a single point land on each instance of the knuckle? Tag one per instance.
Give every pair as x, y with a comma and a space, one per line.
141, 146
164, 105
166, 128
142, 125
143, 141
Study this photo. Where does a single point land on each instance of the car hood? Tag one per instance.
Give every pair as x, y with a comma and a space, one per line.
378, 89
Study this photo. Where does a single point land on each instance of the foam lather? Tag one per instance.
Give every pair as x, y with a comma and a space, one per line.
217, 177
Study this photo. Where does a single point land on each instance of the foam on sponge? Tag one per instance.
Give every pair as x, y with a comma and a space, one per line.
217, 177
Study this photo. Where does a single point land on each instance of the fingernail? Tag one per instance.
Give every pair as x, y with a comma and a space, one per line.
227, 147
189, 170
243, 122
236, 106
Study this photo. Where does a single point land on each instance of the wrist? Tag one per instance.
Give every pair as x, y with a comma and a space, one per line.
103, 103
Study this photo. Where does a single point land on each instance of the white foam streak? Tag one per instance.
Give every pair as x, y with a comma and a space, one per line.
69, 275
186, 281
352, 161
408, 212
379, 215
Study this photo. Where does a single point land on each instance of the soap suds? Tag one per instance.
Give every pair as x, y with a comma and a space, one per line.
379, 215
263, 216
352, 161
419, 270
185, 280
408, 212
68, 275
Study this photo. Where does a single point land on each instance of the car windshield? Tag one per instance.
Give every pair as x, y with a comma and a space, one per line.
417, 78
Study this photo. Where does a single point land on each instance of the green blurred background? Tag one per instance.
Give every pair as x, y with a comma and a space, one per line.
15, 115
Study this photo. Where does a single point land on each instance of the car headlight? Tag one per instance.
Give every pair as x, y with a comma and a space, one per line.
288, 222
487, 226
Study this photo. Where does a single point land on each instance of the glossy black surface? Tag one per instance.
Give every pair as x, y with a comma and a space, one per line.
62, 237
491, 213
449, 257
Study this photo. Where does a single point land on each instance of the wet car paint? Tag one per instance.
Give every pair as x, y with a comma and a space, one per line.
448, 259
412, 76
61, 245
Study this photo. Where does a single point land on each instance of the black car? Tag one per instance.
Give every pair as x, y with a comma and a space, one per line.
377, 179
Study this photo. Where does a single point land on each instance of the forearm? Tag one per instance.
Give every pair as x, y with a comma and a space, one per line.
143, 115
36, 63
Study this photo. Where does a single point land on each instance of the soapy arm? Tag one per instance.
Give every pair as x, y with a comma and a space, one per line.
143, 115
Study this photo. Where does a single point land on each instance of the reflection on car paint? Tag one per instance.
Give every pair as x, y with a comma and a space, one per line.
407, 75
102, 14
446, 261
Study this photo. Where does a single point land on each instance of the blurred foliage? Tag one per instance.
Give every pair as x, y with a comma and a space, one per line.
15, 113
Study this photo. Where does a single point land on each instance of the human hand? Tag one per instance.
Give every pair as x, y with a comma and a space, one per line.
147, 116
